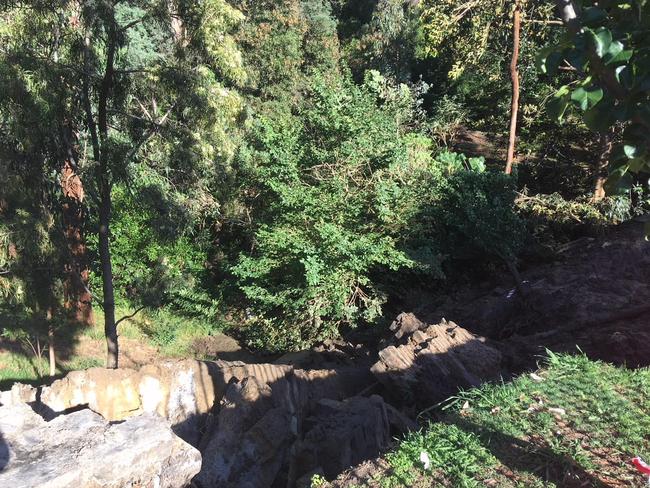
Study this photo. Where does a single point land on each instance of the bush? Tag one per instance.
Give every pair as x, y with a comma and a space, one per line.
157, 263
478, 216
344, 198
552, 218
333, 189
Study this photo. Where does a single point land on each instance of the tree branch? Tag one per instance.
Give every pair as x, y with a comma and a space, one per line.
126, 317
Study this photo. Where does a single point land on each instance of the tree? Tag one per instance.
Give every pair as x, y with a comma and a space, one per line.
35, 110
606, 44
514, 75
379, 35
149, 98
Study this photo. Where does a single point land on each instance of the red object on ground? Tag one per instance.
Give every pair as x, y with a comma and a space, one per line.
641, 465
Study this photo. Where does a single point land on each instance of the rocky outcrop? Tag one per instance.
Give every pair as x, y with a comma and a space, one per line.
426, 364
256, 425
248, 443
82, 449
184, 392
341, 434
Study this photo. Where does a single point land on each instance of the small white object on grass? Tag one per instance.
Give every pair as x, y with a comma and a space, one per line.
425, 460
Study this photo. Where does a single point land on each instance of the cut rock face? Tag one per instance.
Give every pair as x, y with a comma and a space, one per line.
428, 363
82, 449
341, 434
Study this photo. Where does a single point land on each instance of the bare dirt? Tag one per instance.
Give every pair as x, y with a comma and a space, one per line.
594, 295
133, 352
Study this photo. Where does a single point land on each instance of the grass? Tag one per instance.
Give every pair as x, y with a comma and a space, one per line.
578, 423
171, 334
130, 328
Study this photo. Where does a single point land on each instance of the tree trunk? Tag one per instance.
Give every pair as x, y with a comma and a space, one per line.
600, 175
105, 188
110, 329
50, 341
514, 75
77, 297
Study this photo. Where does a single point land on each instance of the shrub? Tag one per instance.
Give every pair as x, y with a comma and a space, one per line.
334, 187
556, 219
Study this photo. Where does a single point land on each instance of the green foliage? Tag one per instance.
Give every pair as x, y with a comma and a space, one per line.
343, 191
478, 215
453, 162
609, 47
457, 453
554, 219
157, 259
325, 187
379, 36
174, 335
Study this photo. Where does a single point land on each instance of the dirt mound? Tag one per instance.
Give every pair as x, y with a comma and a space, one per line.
595, 295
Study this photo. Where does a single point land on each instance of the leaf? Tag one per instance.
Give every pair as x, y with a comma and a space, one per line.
601, 38
586, 98
637, 164
616, 53
548, 60
600, 117
618, 180
558, 104
631, 151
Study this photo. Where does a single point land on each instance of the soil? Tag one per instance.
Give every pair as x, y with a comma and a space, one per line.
134, 353
594, 295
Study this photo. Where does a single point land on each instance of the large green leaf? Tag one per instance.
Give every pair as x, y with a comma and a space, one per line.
549, 60
587, 97
616, 53
600, 117
619, 180
601, 39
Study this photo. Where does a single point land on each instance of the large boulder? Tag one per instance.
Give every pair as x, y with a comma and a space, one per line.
425, 364
83, 450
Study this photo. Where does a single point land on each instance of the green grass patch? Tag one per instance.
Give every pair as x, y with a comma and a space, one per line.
577, 423
24, 367
174, 334
131, 328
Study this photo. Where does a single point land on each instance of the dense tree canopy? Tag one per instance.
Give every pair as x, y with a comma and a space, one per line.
291, 168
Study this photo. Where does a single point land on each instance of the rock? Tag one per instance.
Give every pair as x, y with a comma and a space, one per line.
243, 417
82, 450
341, 434
112, 393
430, 362
19, 393
259, 420
246, 447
